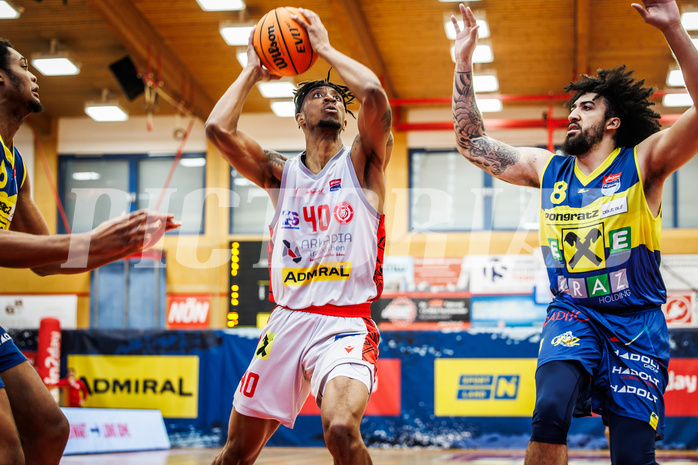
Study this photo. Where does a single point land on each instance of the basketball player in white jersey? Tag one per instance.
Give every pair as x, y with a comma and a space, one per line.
326, 253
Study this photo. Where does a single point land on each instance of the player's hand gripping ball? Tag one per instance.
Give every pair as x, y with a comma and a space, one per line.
282, 44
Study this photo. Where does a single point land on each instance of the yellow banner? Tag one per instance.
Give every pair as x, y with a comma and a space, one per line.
489, 387
169, 383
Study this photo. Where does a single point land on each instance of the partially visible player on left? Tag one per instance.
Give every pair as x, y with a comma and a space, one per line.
33, 430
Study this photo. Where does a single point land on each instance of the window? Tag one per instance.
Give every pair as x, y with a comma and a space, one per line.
252, 209
94, 189
447, 193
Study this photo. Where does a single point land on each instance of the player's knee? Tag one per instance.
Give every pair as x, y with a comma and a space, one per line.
549, 424
557, 387
53, 435
342, 437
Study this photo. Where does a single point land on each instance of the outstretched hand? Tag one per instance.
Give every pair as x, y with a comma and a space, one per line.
129, 234
466, 39
659, 13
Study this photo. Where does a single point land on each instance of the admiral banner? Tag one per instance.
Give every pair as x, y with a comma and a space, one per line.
469, 387
166, 383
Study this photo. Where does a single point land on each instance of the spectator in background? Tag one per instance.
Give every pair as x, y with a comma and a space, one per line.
75, 387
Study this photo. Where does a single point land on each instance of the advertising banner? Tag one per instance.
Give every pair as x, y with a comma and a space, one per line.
96, 430
169, 383
26, 311
484, 387
188, 311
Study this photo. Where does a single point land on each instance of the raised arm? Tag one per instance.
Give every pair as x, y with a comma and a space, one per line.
263, 167
521, 166
666, 151
375, 116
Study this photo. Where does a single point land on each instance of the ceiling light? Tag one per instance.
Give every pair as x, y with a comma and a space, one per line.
278, 89
7, 11
454, 1
221, 5
54, 63
236, 35
675, 78
86, 176
242, 57
485, 83
482, 33
192, 162
105, 110
489, 105
677, 100
284, 109
482, 54
690, 20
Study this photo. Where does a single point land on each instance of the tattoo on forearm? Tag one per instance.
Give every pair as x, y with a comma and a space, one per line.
275, 159
387, 120
488, 153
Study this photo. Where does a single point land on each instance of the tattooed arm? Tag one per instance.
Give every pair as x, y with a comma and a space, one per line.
519, 165
263, 167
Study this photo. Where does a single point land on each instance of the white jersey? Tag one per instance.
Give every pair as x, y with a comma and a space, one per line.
327, 241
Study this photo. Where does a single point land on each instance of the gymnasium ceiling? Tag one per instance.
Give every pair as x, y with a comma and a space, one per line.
539, 46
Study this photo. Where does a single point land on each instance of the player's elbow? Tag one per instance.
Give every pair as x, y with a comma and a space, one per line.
41, 272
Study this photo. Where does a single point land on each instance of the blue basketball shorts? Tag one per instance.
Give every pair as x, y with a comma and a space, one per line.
10, 355
627, 356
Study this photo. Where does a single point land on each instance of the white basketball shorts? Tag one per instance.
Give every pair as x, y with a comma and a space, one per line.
299, 352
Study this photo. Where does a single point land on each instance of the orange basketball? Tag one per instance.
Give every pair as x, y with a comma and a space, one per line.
282, 44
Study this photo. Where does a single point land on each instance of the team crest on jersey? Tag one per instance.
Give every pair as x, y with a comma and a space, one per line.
335, 185
293, 252
343, 213
610, 184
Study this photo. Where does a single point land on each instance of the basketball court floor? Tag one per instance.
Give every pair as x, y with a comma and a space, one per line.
318, 456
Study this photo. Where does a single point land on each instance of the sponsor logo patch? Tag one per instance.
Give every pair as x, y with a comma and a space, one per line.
567, 340
611, 184
335, 271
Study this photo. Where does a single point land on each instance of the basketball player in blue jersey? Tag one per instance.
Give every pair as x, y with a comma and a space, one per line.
604, 342
320, 336
33, 429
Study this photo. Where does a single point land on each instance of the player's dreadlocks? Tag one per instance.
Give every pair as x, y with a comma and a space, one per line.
304, 87
627, 99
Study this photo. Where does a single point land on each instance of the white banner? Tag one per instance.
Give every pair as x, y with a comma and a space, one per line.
26, 311
503, 274
97, 430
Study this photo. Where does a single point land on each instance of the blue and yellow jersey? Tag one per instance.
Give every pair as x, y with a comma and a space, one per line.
600, 240
12, 176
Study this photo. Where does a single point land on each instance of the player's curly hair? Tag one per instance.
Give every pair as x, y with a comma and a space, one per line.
303, 88
5, 47
627, 99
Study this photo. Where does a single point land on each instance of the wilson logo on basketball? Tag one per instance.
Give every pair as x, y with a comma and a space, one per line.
343, 213
273, 48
